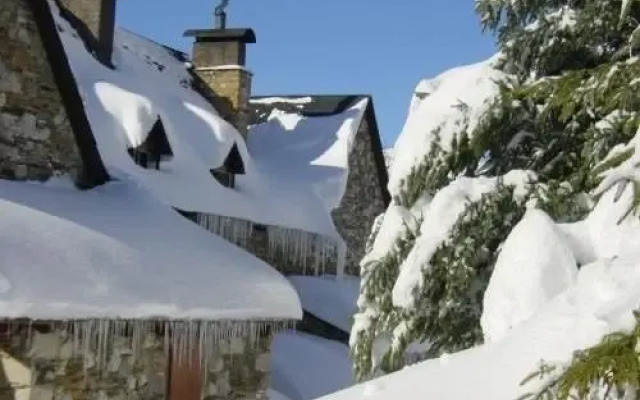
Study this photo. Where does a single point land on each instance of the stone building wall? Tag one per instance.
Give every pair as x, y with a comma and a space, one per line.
46, 368
36, 140
362, 202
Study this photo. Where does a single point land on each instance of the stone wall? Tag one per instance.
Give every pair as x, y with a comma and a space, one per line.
233, 84
95, 21
36, 140
362, 202
45, 368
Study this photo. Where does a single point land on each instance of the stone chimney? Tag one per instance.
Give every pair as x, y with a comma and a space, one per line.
219, 58
95, 21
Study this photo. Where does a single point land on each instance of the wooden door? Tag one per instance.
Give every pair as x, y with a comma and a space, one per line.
185, 378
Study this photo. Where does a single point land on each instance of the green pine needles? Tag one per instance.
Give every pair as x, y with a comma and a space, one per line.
567, 112
607, 371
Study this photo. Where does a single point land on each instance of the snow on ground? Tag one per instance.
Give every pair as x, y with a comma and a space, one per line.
115, 252
538, 257
442, 103
311, 152
331, 299
149, 81
601, 300
304, 367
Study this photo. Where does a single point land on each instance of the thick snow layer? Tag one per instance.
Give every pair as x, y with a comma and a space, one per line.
601, 300
305, 367
535, 264
115, 252
309, 152
442, 103
439, 216
329, 298
149, 81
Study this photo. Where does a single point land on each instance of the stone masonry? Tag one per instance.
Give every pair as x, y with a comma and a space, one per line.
36, 140
96, 24
233, 84
362, 201
46, 368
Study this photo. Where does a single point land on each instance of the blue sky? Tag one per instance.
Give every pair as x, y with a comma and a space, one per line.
379, 47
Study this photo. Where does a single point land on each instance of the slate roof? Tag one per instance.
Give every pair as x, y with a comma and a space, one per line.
313, 105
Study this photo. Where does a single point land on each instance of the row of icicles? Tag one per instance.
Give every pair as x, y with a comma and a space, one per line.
95, 340
312, 252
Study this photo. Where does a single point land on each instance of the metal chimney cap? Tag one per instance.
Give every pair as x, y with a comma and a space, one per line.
245, 35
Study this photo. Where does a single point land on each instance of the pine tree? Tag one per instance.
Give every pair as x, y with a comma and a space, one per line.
570, 107
609, 370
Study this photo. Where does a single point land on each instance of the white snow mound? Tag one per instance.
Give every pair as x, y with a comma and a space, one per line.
535, 265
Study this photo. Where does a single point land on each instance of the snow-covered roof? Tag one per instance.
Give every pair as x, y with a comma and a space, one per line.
116, 252
310, 152
151, 81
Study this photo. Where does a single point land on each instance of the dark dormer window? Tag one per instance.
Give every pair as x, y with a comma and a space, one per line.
232, 166
155, 148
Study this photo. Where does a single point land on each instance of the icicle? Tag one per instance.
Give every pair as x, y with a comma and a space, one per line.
297, 247
94, 340
234, 230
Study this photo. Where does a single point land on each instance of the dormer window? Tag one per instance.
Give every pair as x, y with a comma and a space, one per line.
232, 166
155, 148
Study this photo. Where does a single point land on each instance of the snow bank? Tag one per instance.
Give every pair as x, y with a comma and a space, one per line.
308, 152
534, 265
150, 82
442, 103
115, 252
329, 298
439, 215
304, 367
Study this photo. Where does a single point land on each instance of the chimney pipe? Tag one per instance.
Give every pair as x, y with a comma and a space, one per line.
221, 15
